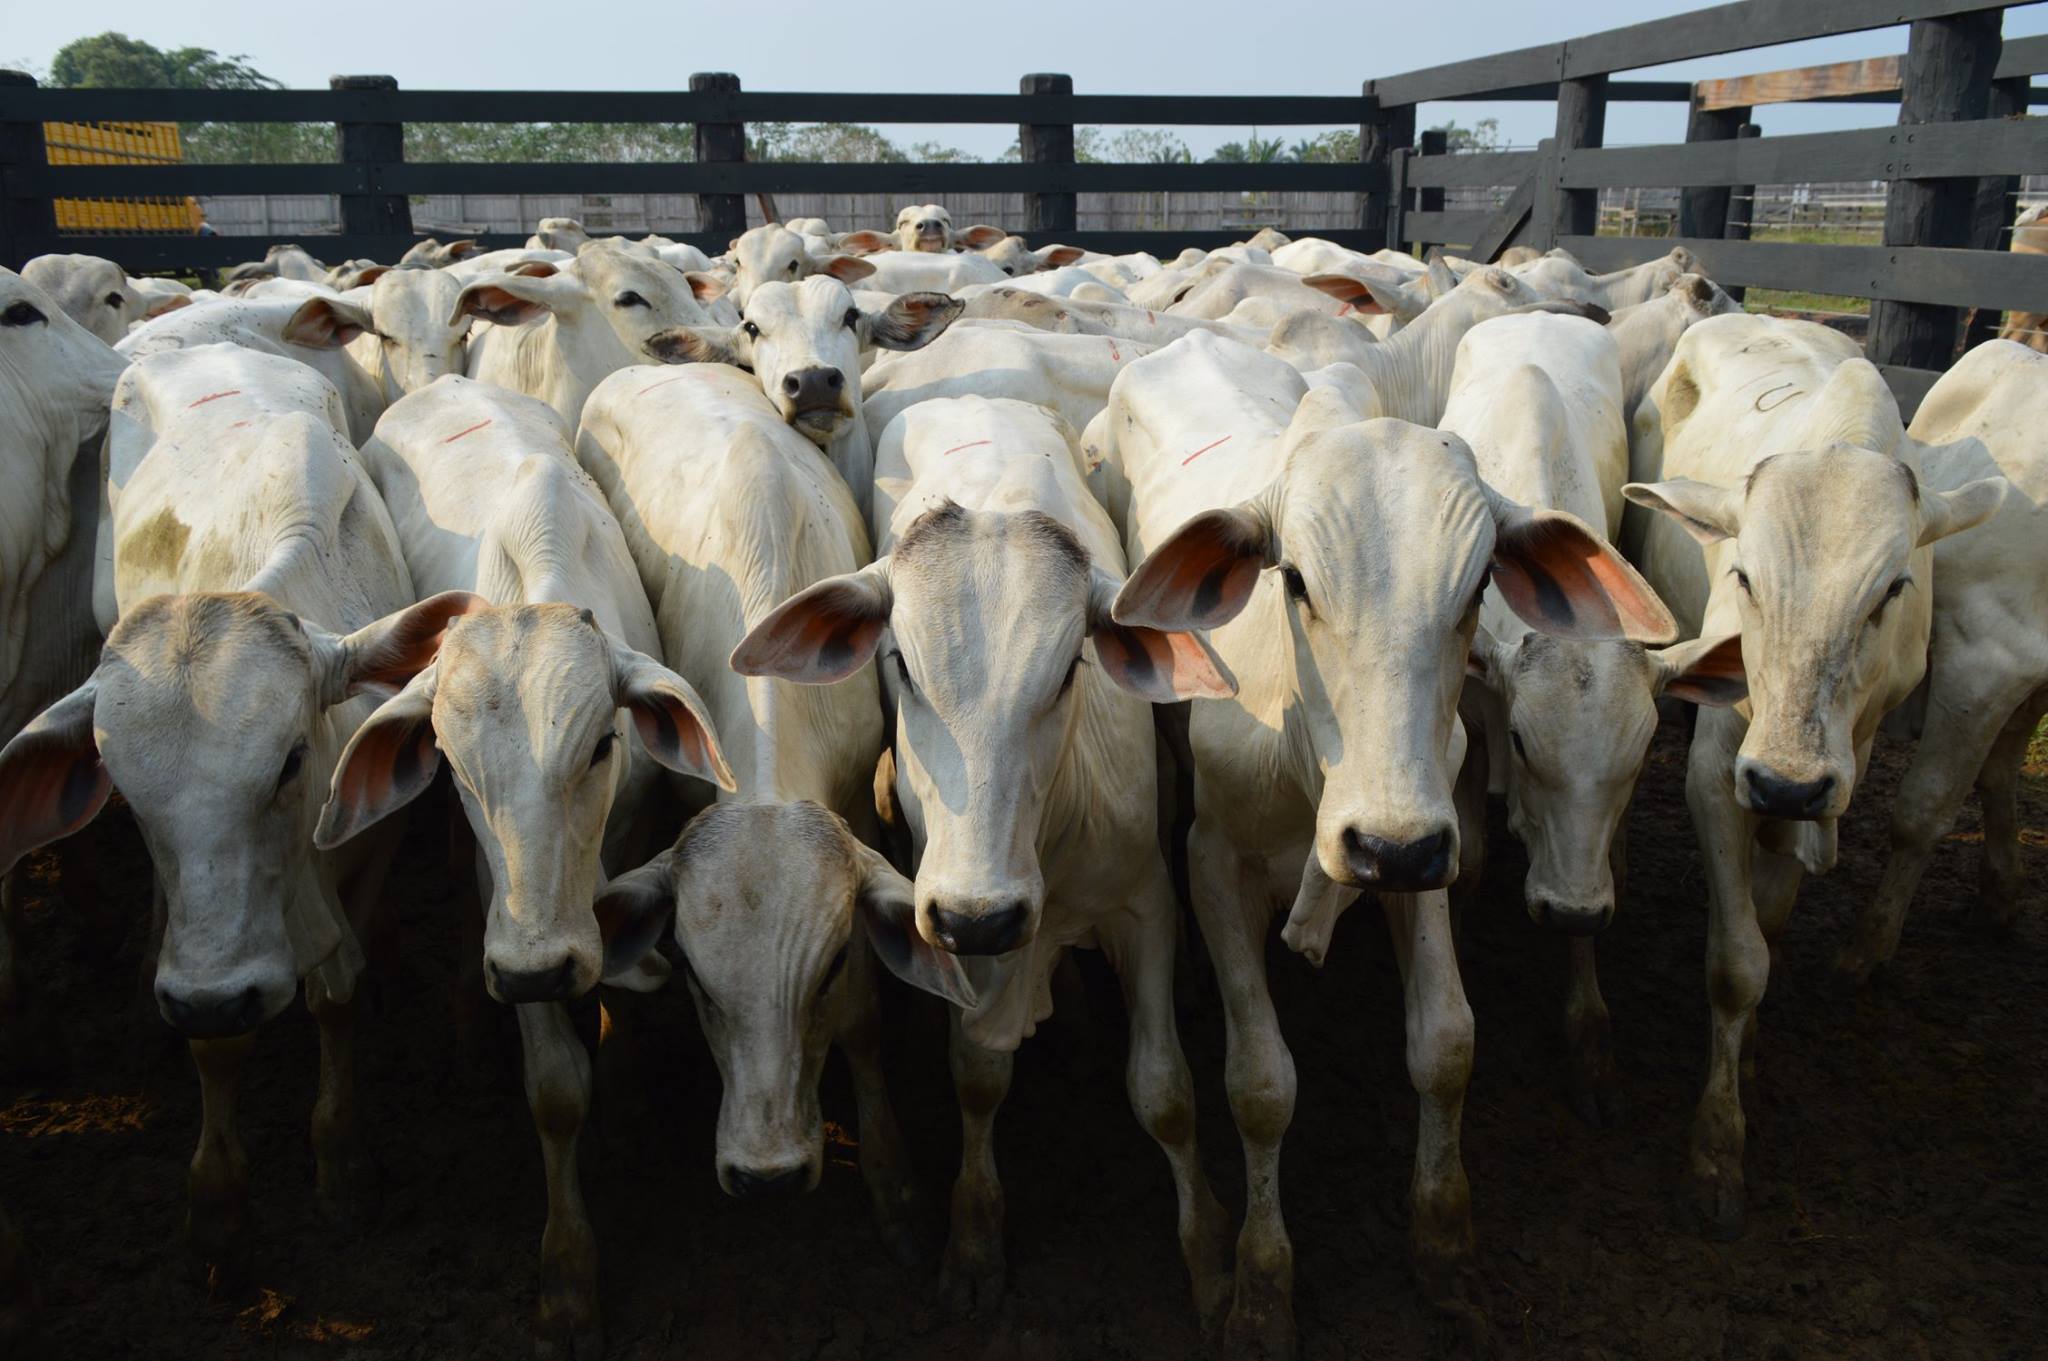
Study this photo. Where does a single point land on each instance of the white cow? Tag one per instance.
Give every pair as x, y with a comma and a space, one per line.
1783, 458
553, 718
1559, 275
1072, 316
908, 271
98, 294
558, 335
805, 343
727, 512
407, 333
558, 233
1648, 332
775, 254
1566, 725
1023, 768
1014, 257
1339, 569
218, 709
264, 325
1987, 681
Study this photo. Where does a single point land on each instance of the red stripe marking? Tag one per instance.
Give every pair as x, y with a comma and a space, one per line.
1115, 353
662, 384
1203, 450
958, 447
216, 396
1151, 320
238, 425
471, 431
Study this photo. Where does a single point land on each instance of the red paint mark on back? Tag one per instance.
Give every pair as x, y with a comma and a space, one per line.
471, 431
1114, 353
976, 444
216, 396
238, 425
662, 384
1151, 320
1203, 450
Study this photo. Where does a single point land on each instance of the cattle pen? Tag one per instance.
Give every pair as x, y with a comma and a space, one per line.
1952, 163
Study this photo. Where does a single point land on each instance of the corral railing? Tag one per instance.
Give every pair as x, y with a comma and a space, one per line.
1952, 163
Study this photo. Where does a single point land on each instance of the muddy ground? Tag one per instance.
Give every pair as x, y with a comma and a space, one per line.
1897, 1187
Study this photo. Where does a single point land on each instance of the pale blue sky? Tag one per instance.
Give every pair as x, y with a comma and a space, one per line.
1192, 47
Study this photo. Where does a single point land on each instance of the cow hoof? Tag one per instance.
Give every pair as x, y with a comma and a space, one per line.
1714, 1204
971, 1280
1259, 1333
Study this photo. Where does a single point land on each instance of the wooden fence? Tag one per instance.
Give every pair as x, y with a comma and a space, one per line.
1952, 162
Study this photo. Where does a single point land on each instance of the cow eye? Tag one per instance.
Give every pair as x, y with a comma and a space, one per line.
1296, 587
1516, 738
21, 314
792, 267
601, 750
630, 299
294, 759
1008, 270
753, 331
1073, 669
832, 971
1742, 580
114, 300
1891, 594
902, 670
852, 317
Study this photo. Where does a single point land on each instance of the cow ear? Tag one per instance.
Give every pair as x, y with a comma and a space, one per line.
535, 269
912, 321
383, 657
1567, 581
326, 324
848, 269
1374, 294
707, 287
369, 274
1203, 575
1702, 671
459, 250
1058, 257
51, 779
866, 243
823, 633
634, 910
669, 716
692, 345
1708, 513
169, 302
980, 236
389, 761
888, 913
1157, 666
1441, 279
1943, 513
1482, 659
517, 299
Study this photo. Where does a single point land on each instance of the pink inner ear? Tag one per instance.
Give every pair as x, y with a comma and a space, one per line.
673, 732
1159, 666
1717, 678
390, 765
413, 641
1197, 579
1556, 575
816, 643
49, 796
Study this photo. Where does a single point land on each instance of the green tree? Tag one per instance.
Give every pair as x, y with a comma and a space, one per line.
1483, 135
1255, 149
1340, 145
115, 60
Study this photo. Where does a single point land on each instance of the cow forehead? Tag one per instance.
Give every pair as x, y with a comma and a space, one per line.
1574, 687
766, 885
229, 664
532, 663
1832, 506
1385, 487
819, 298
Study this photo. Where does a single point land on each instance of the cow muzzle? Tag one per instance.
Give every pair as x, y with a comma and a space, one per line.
984, 927
212, 1013
558, 981
1427, 862
764, 1183
930, 237
814, 401
1768, 793
1568, 918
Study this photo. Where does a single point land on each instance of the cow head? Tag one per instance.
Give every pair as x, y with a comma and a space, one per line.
207, 713
612, 298
995, 633
771, 903
97, 294
804, 342
422, 332
775, 254
925, 227
1368, 555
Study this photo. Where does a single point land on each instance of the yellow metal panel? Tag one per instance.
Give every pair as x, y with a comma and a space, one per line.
120, 143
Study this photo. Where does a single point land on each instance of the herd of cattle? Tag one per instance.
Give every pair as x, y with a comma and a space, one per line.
919, 571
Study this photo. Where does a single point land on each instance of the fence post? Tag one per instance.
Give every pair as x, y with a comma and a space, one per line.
1047, 144
722, 215
370, 212
1397, 198
1434, 142
1998, 198
1581, 122
1946, 77
1741, 213
1381, 133
22, 220
1703, 209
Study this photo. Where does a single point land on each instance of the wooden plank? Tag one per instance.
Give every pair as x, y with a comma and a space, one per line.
1926, 151
1488, 244
1383, 137
140, 181
1699, 33
1873, 75
1474, 168
373, 210
23, 216
1047, 146
1441, 229
1943, 277
1910, 386
715, 144
1703, 210
1581, 123
1618, 92
2022, 57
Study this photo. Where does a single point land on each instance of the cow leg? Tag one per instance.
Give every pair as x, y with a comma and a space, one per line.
1468, 795
1589, 1047
344, 1179
1163, 1095
971, 1277
558, 1093
217, 1187
1998, 874
884, 1165
1234, 914
1738, 967
1964, 716
1439, 1025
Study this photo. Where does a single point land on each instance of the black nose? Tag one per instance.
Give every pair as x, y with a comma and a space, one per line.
809, 389
1399, 866
1776, 797
1572, 919
554, 984
980, 933
212, 1015
746, 1184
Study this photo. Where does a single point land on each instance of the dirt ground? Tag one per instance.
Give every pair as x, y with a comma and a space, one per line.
1896, 1188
